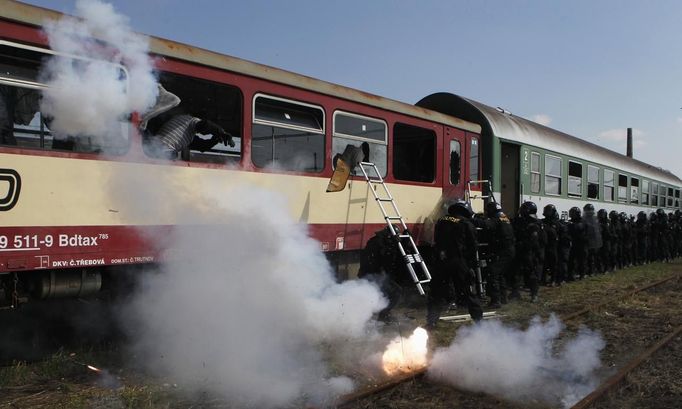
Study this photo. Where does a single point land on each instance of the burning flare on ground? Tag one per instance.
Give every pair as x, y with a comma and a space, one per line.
406, 355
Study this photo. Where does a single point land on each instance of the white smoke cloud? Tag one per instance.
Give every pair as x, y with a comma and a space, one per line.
88, 95
521, 365
242, 310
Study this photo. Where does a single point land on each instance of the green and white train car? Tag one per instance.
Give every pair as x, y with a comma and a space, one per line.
529, 161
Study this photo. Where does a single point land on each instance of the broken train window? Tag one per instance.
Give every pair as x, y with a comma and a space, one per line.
287, 135
358, 130
198, 100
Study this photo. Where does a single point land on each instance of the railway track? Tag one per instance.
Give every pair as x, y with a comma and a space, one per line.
355, 399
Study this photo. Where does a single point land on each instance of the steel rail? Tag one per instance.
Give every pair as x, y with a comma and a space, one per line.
345, 400
614, 380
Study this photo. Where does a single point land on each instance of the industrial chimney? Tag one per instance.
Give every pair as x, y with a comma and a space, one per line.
629, 148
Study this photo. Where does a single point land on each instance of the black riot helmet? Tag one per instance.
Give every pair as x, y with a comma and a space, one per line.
613, 215
623, 216
492, 209
574, 212
460, 208
588, 207
602, 214
641, 216
528, 209
660, 212
550, 212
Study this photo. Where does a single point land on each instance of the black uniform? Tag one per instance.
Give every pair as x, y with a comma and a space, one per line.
605, 260
551, 226
455, 256
578, 255
379, 264
530, 241
641, 231
593, 239
499, 235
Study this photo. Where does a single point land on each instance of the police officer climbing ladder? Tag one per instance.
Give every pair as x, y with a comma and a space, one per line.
480, 284
408, 249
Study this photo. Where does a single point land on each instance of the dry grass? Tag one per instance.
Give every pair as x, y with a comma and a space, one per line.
62, 382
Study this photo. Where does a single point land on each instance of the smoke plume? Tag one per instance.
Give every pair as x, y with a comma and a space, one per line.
243, 307
521, 365
245, 297
88, 93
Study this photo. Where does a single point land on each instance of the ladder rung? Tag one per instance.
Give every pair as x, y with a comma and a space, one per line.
413, 258
381, 199
404, 236
393, 218
375, 180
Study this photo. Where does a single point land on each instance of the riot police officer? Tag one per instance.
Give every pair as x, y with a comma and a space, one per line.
578, 255
501, 250
617, 239
379, 263
605, 260
552, 228
530, 248
455, 257
641, 231
593, 238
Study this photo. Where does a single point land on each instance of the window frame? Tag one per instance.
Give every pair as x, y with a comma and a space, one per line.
538, 172
126, 131
370, 141
598, 169
474, 140
625, 188
654, 194
670, 197
559, 177
645, 192
459, 180
634, 195
568, 191
612, 185
318, 131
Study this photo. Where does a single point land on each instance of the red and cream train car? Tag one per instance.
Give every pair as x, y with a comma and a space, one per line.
62, 231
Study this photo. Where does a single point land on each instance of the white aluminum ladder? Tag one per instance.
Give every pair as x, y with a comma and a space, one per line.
478, 287
409, 252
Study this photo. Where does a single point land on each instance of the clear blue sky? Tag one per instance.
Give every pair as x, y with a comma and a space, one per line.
588, 68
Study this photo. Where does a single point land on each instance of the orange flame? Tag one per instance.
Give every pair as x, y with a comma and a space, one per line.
406, 355
92, 368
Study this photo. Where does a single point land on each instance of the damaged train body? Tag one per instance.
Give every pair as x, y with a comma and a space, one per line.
64, 231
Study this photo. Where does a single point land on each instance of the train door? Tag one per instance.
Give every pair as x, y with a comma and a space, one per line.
509, 178
453, 163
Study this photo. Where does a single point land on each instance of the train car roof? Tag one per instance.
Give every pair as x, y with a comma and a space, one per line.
504, 125
34, 15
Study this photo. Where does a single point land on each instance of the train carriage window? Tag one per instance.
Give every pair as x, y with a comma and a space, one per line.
455, 162
534, 172
212, 102
356, 130
553, 175
654, 194
622, 188
677, 198
669, 202
575, 179
645, 192
287, 135
609, 185
592, 182
23, 125
414, 153
634, 191
473, 160
661, 196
